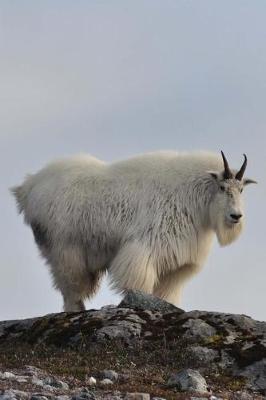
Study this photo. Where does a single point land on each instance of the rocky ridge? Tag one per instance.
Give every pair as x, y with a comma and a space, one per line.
143, 348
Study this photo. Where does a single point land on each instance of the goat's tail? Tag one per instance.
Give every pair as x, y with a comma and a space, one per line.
21, 195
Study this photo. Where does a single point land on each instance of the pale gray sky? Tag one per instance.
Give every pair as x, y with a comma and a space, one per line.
116, 78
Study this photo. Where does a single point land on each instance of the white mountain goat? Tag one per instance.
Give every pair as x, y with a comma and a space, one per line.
149, 221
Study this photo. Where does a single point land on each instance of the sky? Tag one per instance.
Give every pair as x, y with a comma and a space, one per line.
117, 78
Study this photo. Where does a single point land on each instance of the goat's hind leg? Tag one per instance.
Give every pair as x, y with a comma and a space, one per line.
72, 277
75, 294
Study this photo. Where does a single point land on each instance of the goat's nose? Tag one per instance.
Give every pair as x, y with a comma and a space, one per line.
235, 217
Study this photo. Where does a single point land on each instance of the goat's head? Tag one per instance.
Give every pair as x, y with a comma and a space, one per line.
226, 211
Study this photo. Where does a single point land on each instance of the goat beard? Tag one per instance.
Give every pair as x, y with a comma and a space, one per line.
226, 234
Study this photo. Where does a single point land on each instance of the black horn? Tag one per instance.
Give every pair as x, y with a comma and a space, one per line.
240, 173
227, 172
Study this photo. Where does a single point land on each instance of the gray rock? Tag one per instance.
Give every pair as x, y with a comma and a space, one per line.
138, 300
256, 375
188, 380
12, 377
32, 371
200, 398
22, 379
203, 355
198, 329
38, 397
243, 396
91, 381
6, 396
19, 394
137, 396
215, 398
158, 398
53, 382
125, 330
106, 382
36, 381
7, 375
226, 361
109, 374
49, 388
14, 394
84, 395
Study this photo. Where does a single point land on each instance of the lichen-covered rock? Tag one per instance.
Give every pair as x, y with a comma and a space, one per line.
52, 381
203, 355
198, 329
233, 346
256, 375
110, 374
125, 330
188, 380
106, 381
138, 300
137, 396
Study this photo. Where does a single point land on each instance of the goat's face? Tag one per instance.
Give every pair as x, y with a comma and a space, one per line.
226, 210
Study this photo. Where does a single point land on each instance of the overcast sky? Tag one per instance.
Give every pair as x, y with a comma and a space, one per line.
117, 78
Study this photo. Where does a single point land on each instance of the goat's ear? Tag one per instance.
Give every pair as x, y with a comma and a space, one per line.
214, 174
247, 181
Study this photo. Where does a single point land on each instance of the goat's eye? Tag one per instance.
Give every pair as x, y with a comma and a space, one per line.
222, 188
241, 190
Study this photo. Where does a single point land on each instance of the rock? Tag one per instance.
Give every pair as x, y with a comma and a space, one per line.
138, 300
32, 371
109, 374
125, 330
203, 355
85, 394
106, 382
7, 375
142, 326
6, 397
158, 398
13, 377
91, 381
200, 398
124, 377
215, 398
19, 394
244, 396
255, 375
226, 361
49, 388
22, 379
53, 382
198, 329
188, 380
137, 396
14, 394
36, 381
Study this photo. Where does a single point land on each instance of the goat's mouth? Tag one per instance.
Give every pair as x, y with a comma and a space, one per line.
230, 223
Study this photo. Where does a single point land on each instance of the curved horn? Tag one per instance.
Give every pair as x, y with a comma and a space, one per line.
240, 173
227, 172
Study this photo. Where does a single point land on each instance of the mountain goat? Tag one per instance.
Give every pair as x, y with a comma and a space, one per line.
149, 221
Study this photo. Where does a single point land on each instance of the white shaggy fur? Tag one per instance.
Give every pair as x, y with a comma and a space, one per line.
149, 220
